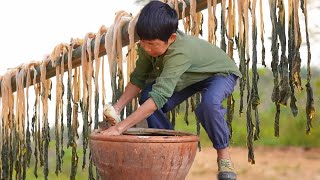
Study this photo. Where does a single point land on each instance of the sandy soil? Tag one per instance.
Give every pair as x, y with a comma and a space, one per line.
271, 163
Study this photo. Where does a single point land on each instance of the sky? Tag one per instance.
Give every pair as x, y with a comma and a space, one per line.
31, 29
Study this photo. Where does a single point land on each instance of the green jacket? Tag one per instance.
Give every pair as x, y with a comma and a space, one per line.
188, 60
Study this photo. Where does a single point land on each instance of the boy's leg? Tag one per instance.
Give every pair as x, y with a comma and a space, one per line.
159, 118
210, 111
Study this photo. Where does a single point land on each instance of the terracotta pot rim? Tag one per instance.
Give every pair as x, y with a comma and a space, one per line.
142, 136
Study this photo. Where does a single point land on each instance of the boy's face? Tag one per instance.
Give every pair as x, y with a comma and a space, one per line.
157, 47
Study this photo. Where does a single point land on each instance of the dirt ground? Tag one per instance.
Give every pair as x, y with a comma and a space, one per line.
271, 163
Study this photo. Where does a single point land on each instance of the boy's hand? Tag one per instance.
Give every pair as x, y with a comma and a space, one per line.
111, 131
110, 115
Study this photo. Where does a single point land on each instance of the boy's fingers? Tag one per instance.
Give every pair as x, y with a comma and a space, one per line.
110, 120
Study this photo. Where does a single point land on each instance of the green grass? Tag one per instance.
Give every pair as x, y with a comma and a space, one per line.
65, 169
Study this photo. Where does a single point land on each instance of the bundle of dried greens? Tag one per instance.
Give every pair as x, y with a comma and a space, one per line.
59, 50
274, 64
36, 128
27, 156
123, 19
45, 95
291, 54
310, 109
113, 46
223, 29
7, 117
185, 19
20, 146
75, 123
131, 60
241, 44
230, 35
196, 19
263, 49
99, 34
212, 21
255, 99
86, 86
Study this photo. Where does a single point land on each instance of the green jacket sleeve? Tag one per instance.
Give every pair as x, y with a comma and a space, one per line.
143, 67
174, 65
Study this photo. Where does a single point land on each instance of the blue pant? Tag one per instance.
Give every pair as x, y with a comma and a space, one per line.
209, 112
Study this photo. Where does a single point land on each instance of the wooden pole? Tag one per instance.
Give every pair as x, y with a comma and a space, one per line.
76, 55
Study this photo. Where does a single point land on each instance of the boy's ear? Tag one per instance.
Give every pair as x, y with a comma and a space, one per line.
172, 38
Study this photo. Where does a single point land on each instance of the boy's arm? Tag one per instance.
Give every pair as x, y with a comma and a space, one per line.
131, 91
144, 111
111, 114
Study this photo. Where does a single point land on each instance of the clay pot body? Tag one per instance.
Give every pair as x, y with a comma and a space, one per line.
144, 153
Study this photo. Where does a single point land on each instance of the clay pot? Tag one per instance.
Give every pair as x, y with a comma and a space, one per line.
143, 153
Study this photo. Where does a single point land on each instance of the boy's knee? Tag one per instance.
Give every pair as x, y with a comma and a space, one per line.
210, 107
211, 102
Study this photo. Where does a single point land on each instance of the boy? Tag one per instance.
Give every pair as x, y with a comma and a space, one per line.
171, 67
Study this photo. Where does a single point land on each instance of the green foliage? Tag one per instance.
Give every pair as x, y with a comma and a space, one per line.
66, 166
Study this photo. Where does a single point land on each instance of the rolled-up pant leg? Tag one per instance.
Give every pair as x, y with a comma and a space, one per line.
210, 111
159, 119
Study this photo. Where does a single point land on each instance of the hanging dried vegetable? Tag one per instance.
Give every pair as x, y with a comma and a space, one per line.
19, 124
255, 99
310, 109
75, 123
241, 48
212, 21
27, 156
131, 60
185, 19
186, 25
45, 93
89, 75
86, 79
186, 116
59, 50
274, 64
223, 29
123, 19
263, 49
36, 129
99, 34
69, 94
7, 117
196, 19
297, 42
230, 35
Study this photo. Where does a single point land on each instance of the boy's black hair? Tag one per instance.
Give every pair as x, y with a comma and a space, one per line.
157, 20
